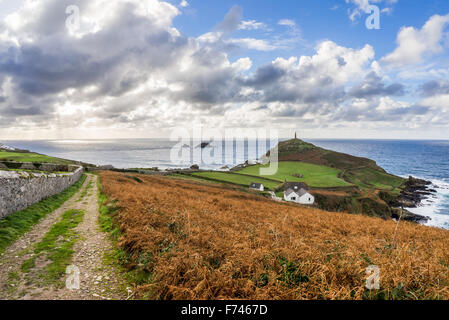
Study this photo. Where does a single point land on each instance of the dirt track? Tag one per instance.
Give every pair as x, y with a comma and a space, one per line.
98, 279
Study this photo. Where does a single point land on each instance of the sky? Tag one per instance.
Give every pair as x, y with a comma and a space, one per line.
101, 69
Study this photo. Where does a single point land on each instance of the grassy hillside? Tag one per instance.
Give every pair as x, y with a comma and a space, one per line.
314, 175
30, 157
369, 178
185, 240
339, 182
327, 168
298, 150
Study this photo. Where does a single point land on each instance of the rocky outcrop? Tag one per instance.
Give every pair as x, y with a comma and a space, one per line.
413, 193
203, 145
408, 216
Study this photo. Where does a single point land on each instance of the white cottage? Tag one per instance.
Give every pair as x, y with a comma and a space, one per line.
5, 147
257, 186
295, 192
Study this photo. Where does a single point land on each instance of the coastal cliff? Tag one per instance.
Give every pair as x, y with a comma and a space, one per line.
370, 189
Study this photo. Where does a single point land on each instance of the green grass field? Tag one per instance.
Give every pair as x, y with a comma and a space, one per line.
368, 178
30, 157
314, 175
234, 178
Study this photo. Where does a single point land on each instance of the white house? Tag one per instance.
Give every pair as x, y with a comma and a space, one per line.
5, 147
257, 186
297, 193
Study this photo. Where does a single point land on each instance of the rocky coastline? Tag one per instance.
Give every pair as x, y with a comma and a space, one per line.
414, 192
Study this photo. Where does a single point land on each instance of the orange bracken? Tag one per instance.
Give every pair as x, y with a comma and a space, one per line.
201, 241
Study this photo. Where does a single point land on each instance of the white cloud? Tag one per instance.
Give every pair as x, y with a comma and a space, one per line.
439, 102
184, 4
221, 38
131, 69
287, 22
414, 44
254, 44
243, 64
210, 37
252, 25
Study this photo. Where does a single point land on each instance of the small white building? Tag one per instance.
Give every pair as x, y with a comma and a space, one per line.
295, 193
5, 147
257, 186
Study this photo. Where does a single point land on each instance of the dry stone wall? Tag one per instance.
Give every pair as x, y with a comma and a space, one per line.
21, 189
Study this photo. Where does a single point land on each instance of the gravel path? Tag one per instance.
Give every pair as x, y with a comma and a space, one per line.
98, 280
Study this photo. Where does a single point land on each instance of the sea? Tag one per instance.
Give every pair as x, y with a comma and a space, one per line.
422, 159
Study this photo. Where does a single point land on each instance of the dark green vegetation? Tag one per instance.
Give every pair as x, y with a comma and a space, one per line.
298, 150
56, 247
19, 223
370, 178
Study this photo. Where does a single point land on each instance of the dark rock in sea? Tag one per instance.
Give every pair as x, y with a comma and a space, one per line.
203, 145
415, 190
417, 183
195, 167
416, 218
410, 217
186, 146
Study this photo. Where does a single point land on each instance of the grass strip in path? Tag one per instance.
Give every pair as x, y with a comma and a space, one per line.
17, 224
57, 246
85, 191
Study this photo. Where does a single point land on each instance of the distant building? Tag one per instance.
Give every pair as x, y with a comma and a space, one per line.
297, 192
5, 147
257, 186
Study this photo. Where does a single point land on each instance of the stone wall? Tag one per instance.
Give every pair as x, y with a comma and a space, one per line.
21, 189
